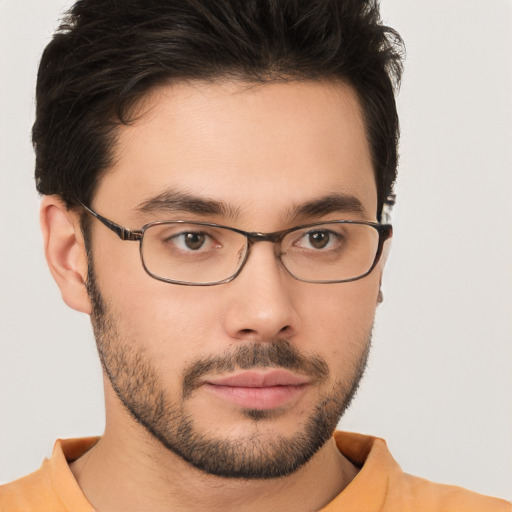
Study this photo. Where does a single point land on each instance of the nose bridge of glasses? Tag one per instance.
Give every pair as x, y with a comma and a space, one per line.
254, 237
274, 238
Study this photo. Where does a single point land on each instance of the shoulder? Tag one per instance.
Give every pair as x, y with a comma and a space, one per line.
425, 496
52, 488
382, 485
30, 493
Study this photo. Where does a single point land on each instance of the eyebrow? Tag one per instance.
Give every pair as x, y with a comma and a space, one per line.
173, 200
331, 203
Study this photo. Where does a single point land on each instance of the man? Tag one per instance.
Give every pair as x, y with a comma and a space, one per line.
214, 179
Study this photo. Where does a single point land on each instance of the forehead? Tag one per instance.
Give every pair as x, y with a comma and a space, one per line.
259, 149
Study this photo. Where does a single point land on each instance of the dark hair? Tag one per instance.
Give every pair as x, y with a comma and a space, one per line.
107, 54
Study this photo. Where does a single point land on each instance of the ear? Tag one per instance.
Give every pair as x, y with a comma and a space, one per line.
382, 263
385, 253
65, 252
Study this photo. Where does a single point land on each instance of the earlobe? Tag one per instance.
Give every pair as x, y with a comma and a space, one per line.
65, 252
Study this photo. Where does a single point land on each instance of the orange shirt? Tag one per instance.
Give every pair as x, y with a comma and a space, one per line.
380, 486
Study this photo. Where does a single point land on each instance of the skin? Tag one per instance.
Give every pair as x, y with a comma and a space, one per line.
261, 150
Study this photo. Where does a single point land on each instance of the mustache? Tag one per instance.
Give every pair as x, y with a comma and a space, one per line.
275, 354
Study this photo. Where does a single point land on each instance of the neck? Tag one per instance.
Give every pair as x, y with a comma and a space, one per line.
128, 470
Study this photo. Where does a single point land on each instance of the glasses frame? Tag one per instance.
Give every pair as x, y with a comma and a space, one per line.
385, 232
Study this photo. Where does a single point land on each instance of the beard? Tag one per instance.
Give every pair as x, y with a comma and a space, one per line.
135, 380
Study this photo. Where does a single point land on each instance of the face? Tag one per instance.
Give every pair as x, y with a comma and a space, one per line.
247, 378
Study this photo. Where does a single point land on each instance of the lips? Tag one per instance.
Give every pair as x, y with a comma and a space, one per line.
260, 380
255, 390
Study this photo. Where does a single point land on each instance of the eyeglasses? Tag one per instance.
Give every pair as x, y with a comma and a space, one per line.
206, 254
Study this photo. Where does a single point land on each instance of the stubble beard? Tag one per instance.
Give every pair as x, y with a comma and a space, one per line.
134, 378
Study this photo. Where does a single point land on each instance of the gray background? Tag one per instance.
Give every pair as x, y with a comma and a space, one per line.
439, 384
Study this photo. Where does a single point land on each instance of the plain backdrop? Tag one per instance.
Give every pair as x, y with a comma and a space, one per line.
439, 382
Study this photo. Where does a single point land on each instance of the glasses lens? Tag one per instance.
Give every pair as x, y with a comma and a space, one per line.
192, 253
330, 252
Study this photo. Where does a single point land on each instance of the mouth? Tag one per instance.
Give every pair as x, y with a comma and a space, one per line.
259, 390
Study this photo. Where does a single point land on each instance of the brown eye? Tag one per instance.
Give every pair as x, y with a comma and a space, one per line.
194, 241
318, 239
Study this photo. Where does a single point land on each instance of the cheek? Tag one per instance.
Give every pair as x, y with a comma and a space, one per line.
170, 322
339, 317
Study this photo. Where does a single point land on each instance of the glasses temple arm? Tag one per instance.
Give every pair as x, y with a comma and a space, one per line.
120, 231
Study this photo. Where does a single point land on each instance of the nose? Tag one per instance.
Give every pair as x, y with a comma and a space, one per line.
260, 299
